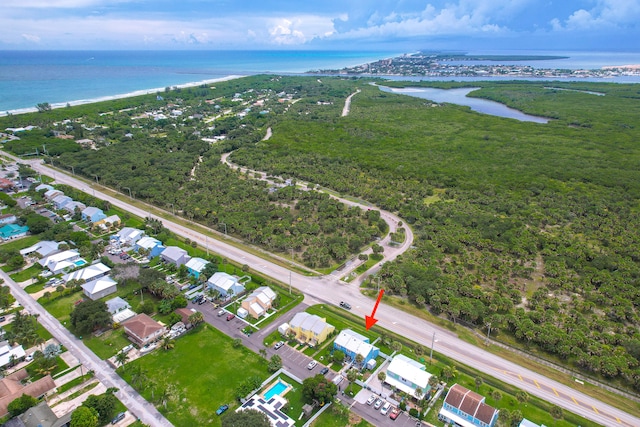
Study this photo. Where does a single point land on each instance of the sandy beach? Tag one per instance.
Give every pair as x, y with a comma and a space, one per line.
123, 95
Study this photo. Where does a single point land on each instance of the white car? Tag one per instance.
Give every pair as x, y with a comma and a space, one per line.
29, 358
385, 409
371, 399
378, 404
312, 365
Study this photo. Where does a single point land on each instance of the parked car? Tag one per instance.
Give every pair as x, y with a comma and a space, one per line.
345, 305
3, 318
118, 418
221, 409
127, 349
278, 345
394, 413
385, 408
221, 313
29, 358
324, 370
378, 404
371, 399
312, 365
202, 301
230, 316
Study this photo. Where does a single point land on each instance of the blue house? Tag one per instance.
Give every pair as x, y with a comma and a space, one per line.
153, 246
93, 214
195, 266
465, 408
13, 231
225, 284
352, 343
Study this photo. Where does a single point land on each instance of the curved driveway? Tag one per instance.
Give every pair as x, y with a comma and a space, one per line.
142, 409
329, 289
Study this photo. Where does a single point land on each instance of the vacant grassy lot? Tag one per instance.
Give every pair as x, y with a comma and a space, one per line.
198, 375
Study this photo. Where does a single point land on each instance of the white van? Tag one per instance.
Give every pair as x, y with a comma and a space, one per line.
385, 408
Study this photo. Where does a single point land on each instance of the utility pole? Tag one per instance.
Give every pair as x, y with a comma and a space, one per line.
289, 282
433, 340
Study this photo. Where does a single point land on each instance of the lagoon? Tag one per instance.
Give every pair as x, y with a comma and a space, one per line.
459, 96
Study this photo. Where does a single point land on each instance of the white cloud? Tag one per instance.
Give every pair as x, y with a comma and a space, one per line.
300, 29
31, 38
605, 14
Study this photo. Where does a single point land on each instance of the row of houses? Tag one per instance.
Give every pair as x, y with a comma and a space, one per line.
90, 214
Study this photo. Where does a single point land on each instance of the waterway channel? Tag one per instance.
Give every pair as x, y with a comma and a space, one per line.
459, 96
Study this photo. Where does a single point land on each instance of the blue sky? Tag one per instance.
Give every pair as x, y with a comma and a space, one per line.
403, 25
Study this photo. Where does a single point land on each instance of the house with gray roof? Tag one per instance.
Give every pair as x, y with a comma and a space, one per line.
93, 214
175, 255
100, 287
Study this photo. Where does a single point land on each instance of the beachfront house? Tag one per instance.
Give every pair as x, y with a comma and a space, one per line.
226, 284
407, 375
175, 255
309, 328
466, 408
353, 344
195, 266
93, 214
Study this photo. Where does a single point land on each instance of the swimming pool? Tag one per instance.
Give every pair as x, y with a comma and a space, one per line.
277, 388
80, 262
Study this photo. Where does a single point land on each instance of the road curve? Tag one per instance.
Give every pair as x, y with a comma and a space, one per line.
329, 289
142, 409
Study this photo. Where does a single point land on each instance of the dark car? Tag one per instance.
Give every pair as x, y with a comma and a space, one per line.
118, 418
324, 370
221, 409
202, 301
345, 305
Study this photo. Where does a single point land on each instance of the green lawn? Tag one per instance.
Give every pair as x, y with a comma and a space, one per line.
17, 244
61, 308
202, 371
333, 417
36, 287
107, 344
27, 273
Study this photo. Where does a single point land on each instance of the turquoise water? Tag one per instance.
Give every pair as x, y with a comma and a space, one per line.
277, 388
80, 262
31, 77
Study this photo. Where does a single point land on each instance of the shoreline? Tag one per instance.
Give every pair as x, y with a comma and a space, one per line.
122, 95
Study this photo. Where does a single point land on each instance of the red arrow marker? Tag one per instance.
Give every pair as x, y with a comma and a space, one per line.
369, 320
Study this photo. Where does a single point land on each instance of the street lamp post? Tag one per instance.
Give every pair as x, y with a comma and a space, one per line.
173, 209
97, 180
225, 227
73, 171
127, 188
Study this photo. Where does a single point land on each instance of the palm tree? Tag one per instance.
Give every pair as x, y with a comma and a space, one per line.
418, 393
359, 360
121, 359
168, 343
196, 318
352, 375
382, 375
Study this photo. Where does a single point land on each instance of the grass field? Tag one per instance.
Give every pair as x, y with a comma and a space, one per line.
27, 273
202, 372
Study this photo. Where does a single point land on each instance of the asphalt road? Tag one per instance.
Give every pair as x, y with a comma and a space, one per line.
329, 289
106, 374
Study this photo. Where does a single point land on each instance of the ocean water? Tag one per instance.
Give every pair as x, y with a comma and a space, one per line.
31, 77
58, 77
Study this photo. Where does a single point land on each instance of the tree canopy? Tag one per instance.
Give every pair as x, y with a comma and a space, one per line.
90, 315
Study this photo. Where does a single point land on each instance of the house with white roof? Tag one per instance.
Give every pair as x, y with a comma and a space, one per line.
259, 301
7, 353
45, 187
153, 246
226, 284
113, 220
87, 274
310, 329
73, 205
61, 201
43, 248
195, 266
120, 310
52, 194
129, 236
93, 214
57, 262
100, 287
408, 375
175, 255
353, 344
8, 219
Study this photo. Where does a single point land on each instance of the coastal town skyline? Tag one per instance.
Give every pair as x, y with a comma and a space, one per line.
403, 26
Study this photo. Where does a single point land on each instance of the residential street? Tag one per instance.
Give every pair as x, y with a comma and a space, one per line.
103, 372
329, 289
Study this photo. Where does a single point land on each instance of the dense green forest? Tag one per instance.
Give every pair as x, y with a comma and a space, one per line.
533, 228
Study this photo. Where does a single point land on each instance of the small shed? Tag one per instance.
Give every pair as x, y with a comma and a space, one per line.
242, 313
307, 409
284, 328
371, 364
